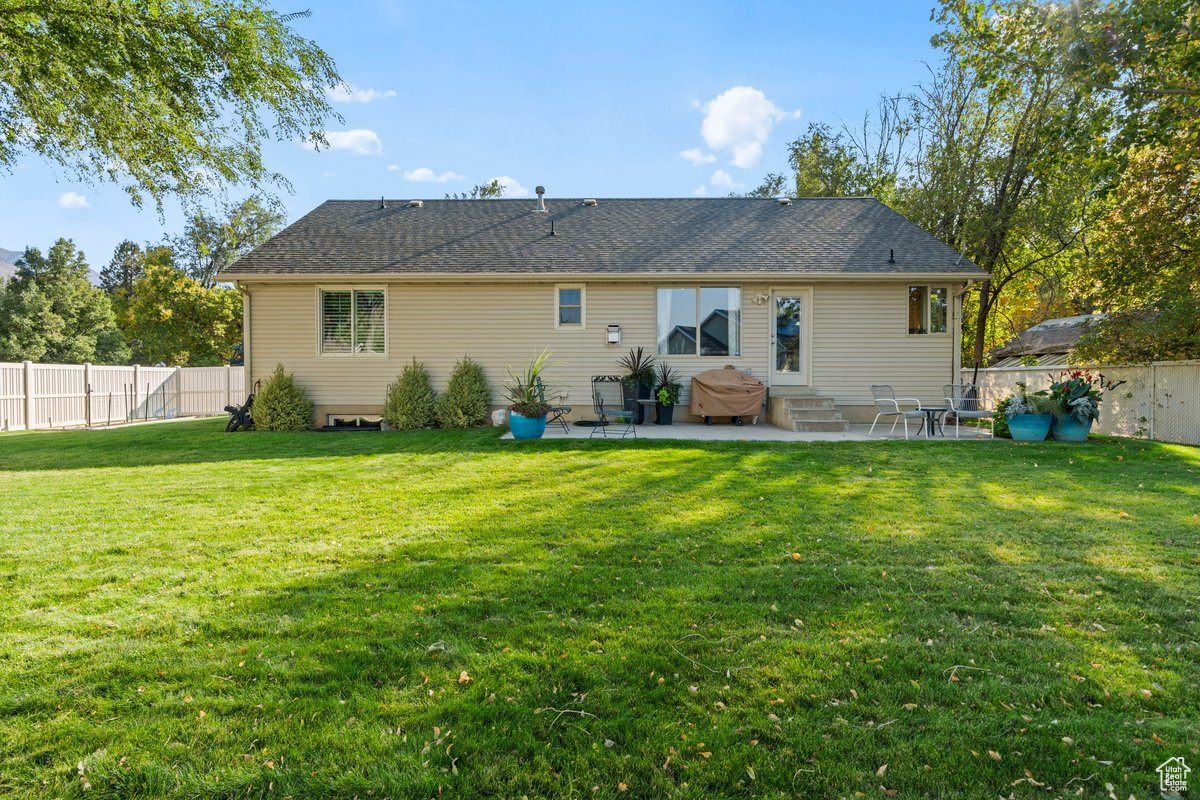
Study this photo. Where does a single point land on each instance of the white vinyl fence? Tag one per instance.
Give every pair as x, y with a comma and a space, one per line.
73, 395
1157, 401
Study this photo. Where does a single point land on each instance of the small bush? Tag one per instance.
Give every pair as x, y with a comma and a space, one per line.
467, 396
1001, 419
281, 405
410, 402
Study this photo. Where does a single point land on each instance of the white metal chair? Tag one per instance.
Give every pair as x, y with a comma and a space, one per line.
888, 405
962, 400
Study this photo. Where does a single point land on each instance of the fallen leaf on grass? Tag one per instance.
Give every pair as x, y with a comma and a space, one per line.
881, 771
622, 787
463, 677
995, 756
909, 706
795, 556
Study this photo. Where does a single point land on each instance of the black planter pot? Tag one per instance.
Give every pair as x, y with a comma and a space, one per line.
666, 414
636, 391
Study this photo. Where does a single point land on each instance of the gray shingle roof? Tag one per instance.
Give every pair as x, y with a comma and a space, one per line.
818, 236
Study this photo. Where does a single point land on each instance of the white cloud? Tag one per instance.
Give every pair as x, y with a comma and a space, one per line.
393, 167
360, 141
739, 121
426, 175
697, 156
722, 180
700, 191
512, 188
72, 200
347, 93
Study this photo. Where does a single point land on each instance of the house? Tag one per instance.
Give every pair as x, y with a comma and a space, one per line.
813, 296
1047, 344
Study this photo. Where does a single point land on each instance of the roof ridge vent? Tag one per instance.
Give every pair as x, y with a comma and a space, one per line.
416, 203
591, 201
541, 201
785, 201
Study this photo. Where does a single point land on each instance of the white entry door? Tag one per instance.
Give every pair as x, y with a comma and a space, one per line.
791, 335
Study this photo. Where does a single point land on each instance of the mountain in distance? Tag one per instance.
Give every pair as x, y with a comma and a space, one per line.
8, 266
7, 262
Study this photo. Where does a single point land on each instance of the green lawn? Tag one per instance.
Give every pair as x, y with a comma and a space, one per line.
186, 613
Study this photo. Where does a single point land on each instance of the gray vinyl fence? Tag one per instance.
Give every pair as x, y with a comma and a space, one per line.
87, 395
1158, 401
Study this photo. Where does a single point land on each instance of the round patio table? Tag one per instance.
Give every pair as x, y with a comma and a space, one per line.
933, 416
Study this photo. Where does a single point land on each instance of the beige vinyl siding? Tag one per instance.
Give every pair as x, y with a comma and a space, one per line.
498, 325
860, 337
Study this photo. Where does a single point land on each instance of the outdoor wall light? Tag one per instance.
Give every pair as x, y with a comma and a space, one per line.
614, 334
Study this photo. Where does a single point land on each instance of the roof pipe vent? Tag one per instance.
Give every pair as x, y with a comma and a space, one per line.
416, 203
541, 204
382, 203
892, 256
591, 201
785, 201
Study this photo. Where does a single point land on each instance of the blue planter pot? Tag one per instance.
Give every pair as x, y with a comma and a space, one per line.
526, 427
1030, 427
1069, 429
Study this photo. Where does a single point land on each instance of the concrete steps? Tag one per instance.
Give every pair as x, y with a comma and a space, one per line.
803, 410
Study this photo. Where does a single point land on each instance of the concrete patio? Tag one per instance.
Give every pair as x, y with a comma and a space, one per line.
761, 432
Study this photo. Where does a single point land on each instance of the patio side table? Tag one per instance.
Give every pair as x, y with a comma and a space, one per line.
933, 416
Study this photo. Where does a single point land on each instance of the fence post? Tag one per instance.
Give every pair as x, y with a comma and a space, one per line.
87, 394
27, 382
228, 385
178, 393
1153, 398
134, 395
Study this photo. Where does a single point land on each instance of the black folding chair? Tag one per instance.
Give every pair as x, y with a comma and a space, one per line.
557, 413
616, 415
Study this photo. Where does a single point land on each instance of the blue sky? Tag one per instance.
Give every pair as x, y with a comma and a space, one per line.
598, 99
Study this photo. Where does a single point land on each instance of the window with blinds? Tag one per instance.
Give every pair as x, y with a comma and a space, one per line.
352, 321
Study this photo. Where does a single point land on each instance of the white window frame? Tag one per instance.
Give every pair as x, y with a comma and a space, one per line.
698, 286
353, 313
558, 324
928, 315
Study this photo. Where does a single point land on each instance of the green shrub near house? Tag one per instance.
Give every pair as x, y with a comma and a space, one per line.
411, 404
281, 404
465, 402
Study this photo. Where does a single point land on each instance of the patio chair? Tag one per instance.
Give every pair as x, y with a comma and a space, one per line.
888, 405
616, 417
962, 400
557, 413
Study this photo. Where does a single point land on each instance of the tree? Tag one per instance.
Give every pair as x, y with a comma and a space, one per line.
126, 266
491, 190
209, 243
176, 320
159, 96
51, 312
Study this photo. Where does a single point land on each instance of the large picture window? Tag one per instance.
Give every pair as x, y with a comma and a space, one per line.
703, 320
352, 321
927, 309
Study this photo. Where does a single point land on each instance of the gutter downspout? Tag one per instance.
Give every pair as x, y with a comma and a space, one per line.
956, 312
247, 382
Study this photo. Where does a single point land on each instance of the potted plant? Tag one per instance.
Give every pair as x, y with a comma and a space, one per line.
1029, 416
1076, 396
527, 408
666, 392
637, 380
